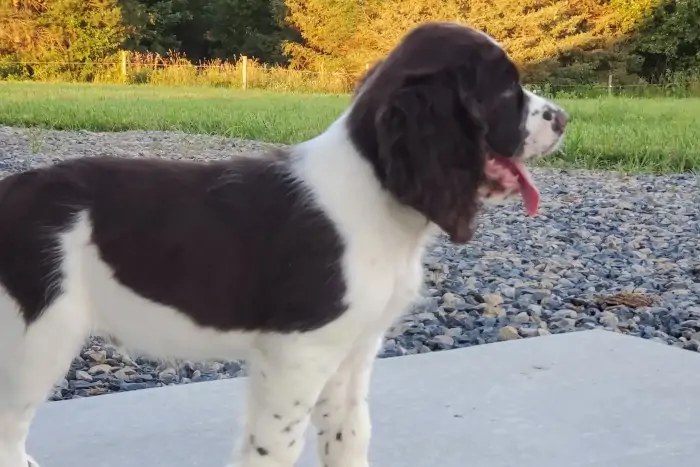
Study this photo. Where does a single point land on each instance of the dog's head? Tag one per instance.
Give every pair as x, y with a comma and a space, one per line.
446, 125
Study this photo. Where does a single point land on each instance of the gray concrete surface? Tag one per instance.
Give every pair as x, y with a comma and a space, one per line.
583, 399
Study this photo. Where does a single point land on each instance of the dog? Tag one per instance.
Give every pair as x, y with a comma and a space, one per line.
297, 261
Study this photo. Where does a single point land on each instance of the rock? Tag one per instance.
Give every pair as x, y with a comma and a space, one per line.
98, 356
445, 342
529, 332
493, 311
493, 299
124, 386
83, 375
692, 345
521, 317
232, 367
80, 384
126, 374
128, 361
425, 316
508, 333
561, 314
453, 302
609, 319
100, 368
168, 375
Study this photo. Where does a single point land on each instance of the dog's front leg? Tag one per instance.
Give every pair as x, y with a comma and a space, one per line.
286, 377
342, 414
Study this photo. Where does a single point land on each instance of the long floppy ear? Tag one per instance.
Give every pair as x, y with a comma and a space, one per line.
431, 147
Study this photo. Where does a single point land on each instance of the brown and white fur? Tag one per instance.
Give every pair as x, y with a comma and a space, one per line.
297, 261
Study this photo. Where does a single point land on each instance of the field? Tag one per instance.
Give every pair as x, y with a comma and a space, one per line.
658, 135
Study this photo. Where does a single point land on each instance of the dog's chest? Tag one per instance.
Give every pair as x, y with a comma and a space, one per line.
383, 280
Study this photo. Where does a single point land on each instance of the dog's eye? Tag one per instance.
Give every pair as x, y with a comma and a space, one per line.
547, 115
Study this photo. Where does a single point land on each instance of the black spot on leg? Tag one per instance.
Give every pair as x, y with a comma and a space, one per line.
252, 439
288, 428
262, 451
297, 403
321, 401
292, 443
327, 448
339, 436
353, 433
264, 376
277, 416
325, 415
321, 432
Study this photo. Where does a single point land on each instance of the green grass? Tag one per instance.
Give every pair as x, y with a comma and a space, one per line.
650, 135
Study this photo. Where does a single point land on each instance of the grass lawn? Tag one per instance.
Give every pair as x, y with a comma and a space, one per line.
655, 135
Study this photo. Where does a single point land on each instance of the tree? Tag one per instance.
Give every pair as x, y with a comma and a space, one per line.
60, 30
152, 24
669, 39
246, 27
326, 28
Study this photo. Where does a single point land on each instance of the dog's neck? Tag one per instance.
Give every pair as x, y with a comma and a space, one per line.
333, 167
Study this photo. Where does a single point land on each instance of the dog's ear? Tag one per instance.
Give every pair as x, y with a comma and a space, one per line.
431, 149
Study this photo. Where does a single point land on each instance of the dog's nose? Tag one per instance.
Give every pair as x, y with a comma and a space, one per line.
560, 120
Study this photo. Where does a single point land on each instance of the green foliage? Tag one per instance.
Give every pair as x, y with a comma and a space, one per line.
254, 28
327, 29
152, 24
669, 39
562, 42
56, 32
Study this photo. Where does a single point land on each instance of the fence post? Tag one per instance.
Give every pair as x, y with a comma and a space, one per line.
122, 57
610, 84
244, 72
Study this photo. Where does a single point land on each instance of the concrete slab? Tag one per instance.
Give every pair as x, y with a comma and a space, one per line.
583, 399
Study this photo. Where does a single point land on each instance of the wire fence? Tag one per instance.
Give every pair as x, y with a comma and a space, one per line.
248, 74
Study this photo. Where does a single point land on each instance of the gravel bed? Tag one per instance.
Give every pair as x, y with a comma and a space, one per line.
609, 251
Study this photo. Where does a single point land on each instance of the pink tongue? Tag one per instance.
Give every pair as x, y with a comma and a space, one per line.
531, 195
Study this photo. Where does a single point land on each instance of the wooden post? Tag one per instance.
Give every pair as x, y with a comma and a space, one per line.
610, 84
244, 72
122, 56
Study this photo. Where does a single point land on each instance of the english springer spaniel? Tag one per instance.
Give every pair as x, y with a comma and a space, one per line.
297, 261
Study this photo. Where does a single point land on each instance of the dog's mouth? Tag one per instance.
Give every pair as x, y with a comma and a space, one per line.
508, 176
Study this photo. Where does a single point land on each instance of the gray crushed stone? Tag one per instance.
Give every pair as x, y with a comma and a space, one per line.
609, 251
